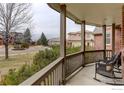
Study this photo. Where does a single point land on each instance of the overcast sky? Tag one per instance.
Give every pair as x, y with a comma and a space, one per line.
47, 20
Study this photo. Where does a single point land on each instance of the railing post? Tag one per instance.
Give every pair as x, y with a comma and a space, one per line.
83, 41
63, 38
113, 38
104, 40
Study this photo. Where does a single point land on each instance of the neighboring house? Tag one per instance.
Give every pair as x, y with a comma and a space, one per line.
12, 37
89, 38
54, 41
16, 37
98, 38
74, 39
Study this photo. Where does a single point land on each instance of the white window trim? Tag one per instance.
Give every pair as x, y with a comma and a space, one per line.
110, 37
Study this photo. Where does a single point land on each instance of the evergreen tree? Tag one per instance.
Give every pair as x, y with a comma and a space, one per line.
43, 40
27, 36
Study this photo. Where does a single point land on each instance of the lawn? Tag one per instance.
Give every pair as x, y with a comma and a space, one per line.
15, 61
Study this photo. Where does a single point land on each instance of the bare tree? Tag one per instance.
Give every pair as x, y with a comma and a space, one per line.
13, 17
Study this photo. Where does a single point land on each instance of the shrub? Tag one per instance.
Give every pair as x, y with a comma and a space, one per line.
10, 78
43, 58
24, 45
72, 50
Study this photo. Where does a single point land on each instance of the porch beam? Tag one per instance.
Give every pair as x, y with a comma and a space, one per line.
104, 40
63, 38
113, 38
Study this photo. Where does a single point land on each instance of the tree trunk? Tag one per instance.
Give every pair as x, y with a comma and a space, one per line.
6, 45
6, 51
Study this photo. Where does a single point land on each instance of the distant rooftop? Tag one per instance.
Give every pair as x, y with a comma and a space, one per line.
55, 39
79, 32
97, 30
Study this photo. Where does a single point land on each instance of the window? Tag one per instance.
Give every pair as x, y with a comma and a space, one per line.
107, 38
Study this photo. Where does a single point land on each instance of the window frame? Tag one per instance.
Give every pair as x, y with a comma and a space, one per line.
108, 37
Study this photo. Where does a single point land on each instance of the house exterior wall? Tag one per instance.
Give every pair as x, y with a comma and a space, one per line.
75, 43
117, 40
50, 43
11, 39
89, 43
98, 40
74, 39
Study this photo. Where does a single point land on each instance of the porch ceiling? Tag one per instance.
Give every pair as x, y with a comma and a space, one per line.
93, 13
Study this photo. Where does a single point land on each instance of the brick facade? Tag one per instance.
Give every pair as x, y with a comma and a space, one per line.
98, 40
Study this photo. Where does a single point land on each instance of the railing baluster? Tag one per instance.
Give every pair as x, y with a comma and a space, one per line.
54, 77
42, 82
51, 78
73, 62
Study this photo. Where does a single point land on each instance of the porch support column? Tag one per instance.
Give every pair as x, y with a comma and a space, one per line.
113, 38
63, 38
122, 42
104, 40
83, 41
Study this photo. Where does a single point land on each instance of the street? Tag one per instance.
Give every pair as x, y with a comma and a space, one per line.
16, 52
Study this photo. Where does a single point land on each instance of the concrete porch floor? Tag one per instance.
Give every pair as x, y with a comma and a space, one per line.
85, 77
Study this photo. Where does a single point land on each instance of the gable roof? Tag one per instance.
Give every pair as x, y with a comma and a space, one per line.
57, 39
97, 30
79, 32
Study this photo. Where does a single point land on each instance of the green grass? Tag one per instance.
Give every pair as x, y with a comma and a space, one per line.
15, 61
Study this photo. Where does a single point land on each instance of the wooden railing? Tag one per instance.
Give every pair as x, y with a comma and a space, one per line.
109, 53
93, 56
50, 75
54, 72
73, 62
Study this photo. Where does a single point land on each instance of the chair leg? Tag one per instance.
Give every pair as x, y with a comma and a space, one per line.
95, 70
114, 79
95, 75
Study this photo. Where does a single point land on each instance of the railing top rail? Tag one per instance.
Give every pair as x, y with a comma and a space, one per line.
42, 72
73, 54
77, 53
96, 50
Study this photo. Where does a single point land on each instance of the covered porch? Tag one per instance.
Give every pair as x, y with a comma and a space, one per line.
79, 68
